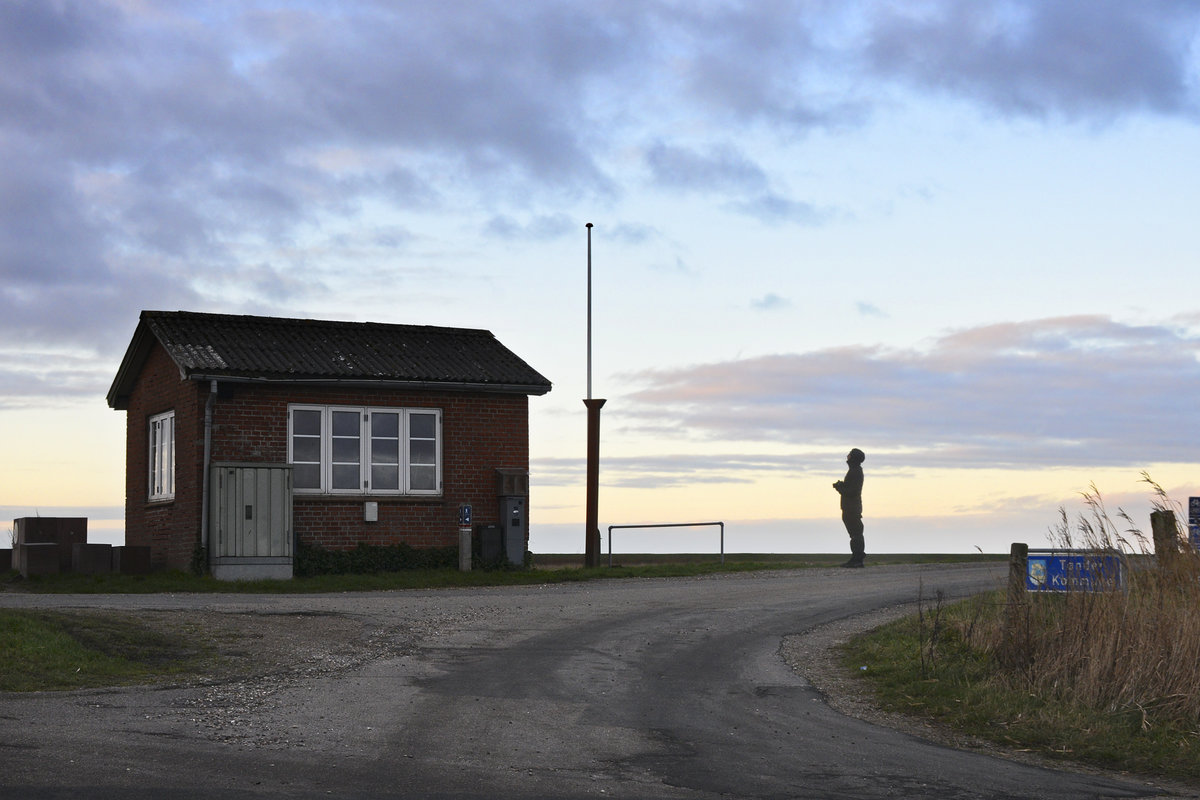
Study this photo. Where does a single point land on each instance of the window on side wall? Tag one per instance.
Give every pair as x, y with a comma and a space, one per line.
162, 456
363, 450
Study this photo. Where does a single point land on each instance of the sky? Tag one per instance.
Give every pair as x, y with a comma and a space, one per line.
960, 236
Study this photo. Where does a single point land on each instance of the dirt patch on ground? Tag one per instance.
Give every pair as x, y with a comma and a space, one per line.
240, 696
246, 645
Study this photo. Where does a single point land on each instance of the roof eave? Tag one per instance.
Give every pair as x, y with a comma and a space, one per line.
131, 366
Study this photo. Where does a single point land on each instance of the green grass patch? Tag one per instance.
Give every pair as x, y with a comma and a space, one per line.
940, 665
53, 650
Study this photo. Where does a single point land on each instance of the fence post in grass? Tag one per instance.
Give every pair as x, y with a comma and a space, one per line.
1166, 535
1018, 566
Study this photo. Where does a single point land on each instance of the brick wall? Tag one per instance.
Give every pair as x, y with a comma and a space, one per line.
171, 528
481, 433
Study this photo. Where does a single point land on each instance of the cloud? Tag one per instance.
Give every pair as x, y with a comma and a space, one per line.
680, 469
726, 171
721, 168
1053, 392
632, 233
146, 148
773, 208
1046, 57
770, 302
153, 153
542, 227
870, 310
32, 379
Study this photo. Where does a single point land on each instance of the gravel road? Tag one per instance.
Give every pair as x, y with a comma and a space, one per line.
674, 688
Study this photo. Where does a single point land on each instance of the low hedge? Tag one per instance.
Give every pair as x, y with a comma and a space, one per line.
311, 559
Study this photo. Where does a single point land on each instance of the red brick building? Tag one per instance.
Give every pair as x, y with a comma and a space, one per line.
370, 432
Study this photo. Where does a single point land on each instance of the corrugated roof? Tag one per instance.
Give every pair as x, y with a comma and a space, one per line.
281, 349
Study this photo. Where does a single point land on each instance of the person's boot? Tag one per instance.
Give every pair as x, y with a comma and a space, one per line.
858, 551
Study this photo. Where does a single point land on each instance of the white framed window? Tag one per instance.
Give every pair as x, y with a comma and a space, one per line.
364, 450
162, 456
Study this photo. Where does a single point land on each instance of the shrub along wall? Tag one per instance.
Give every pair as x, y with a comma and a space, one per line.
367, 558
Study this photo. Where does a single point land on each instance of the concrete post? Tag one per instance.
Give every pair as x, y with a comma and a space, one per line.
464, 549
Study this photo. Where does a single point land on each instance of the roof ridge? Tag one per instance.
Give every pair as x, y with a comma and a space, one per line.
259, 318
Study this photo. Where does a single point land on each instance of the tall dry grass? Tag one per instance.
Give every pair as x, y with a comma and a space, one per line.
1135, 649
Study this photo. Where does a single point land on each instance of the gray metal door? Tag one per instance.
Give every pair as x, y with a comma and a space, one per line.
252, 511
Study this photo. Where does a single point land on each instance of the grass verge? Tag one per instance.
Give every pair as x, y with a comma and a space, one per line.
56, 650
941, 665
1108, 676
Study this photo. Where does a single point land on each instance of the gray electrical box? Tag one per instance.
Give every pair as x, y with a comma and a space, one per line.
512, 490
250, 521
516, 528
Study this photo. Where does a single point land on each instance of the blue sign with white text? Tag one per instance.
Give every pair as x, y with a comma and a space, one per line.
1194, 521
1050, 571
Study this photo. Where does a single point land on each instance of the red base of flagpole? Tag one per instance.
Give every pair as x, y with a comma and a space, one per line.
591, 551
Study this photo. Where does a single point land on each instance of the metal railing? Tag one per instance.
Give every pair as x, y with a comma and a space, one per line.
668, 525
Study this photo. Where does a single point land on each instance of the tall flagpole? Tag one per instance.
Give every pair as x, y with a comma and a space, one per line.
589, 311
591, 557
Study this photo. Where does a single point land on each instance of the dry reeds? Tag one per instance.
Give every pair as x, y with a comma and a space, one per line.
1134, 649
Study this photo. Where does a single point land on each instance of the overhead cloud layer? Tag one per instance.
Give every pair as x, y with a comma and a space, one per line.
147, 146
1078, 391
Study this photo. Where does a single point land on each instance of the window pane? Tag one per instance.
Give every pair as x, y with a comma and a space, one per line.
385, 478
162, 456
423, 478
422, 452
385, 424
169, 481
422, 426
385, 451
306, 476
306, 449
306, 423
345, 423
154, 459
345, 476
345, 451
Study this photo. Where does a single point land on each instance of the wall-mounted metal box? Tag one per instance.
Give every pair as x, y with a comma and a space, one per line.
512, 483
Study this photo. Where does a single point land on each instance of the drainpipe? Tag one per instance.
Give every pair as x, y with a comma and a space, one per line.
208, 417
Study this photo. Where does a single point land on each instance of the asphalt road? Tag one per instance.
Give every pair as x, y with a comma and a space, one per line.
629, 689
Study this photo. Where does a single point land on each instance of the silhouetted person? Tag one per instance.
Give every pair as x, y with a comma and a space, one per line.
850, 488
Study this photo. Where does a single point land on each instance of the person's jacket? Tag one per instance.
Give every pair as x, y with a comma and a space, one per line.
850, 489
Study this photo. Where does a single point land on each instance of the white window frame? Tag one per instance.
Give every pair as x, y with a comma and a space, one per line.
365, 451
161, 456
